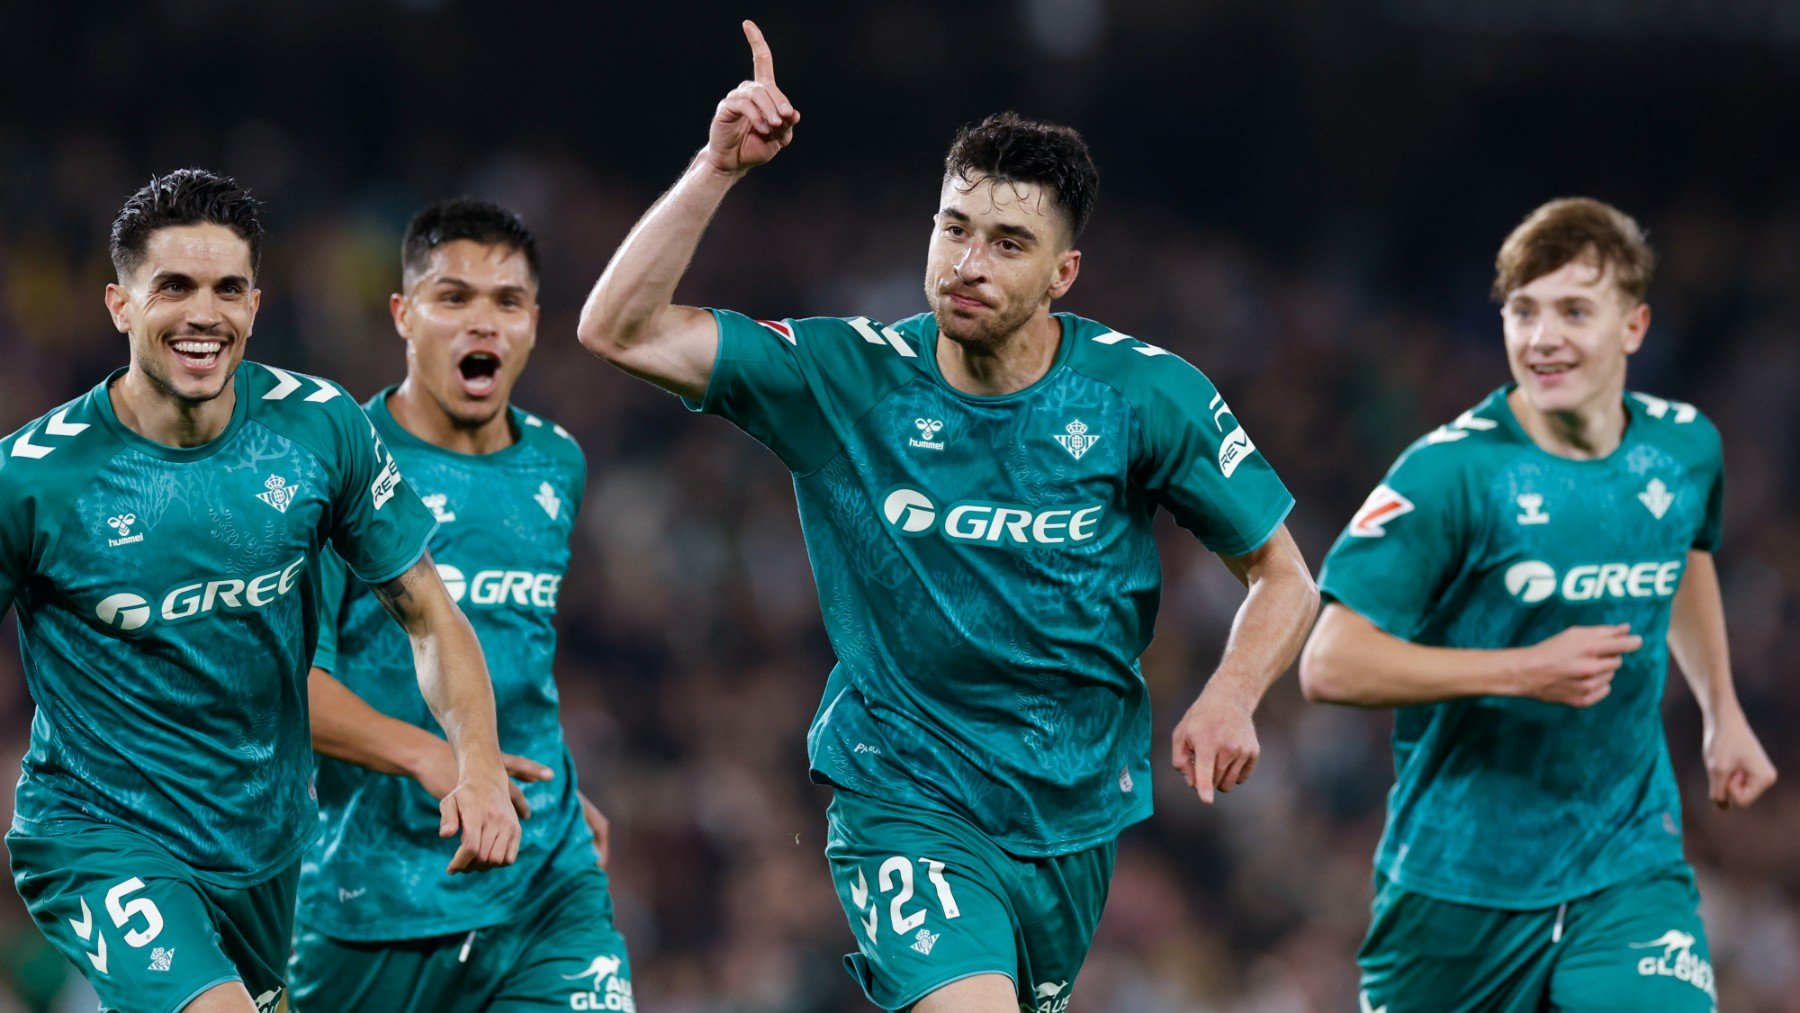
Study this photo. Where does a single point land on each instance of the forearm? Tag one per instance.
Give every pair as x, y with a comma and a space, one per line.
1350, 661
346, 728
639, 283
453, 678
1266, 634
1697, 638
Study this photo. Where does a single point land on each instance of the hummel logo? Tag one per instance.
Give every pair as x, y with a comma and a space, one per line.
280, 495
1075, 439
437, 503
928, 428
1656, 498
1533, 505
122, 524
546, 497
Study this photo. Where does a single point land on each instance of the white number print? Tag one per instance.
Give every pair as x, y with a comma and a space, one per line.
900, 868
141, 907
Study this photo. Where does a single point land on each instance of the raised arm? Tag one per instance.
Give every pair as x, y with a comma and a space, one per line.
454, 680
1215, 744
629, 318
1738, 770
1350, 660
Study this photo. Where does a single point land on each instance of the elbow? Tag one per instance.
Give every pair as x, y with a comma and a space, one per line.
599, 334
1322, 677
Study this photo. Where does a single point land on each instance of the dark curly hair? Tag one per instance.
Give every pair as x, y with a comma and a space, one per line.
1007, 146
464, 218
184, 197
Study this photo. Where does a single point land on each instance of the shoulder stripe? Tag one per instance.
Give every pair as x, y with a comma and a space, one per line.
1466, 423
888, 336
57, 425
1657, 408
1143, 348
786, 332
290, 383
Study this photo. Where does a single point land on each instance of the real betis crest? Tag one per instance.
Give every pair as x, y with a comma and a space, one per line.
280, 494
1075, 439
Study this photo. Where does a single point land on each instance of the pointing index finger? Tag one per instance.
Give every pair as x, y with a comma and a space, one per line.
762, 60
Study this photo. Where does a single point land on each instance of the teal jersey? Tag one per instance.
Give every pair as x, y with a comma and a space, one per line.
501, 545
985, 565
1478, 538
167, 603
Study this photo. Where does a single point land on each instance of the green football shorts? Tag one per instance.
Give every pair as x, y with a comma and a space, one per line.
1635, 946
561, 953
143, 928
932, 900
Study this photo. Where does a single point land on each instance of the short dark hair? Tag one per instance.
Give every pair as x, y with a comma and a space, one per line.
184, 197
481, 221
1572, 228
1007, 146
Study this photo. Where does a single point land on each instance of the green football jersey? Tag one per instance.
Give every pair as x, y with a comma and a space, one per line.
985, 565
167, 603
501, 545
1478, 538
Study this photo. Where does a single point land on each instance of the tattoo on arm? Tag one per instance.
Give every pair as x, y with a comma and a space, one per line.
396, 596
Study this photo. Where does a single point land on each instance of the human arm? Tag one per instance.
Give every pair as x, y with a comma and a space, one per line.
454, 681
601, 827
345, 727
1738, 770
629, 318
1349, 660
1215, 744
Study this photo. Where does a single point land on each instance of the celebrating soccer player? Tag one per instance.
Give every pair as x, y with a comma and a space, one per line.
159, 536
381, 927
1514, 589
976, 485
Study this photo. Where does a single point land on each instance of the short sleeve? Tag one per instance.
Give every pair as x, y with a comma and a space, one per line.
334, 580
1712, 523
1406, 542
1198, 463
379, 525
760, 384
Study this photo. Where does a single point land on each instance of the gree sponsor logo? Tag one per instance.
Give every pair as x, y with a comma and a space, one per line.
1533, 581
978, 522
492, 588
128, 611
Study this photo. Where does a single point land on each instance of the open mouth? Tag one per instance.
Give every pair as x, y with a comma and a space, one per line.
1547, 370
480, 373
198, 354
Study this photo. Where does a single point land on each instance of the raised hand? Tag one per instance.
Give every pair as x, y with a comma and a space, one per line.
1576, 666
755, 121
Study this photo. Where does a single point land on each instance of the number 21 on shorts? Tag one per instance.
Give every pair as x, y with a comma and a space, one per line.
896, 877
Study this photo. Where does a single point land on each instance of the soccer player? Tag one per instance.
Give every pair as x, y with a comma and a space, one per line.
976, 486
380, 925
159, 535
1514, 588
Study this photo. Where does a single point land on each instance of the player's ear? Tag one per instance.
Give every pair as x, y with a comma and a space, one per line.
1068, 265
401, 310
1637, 324
255, 304
118, 305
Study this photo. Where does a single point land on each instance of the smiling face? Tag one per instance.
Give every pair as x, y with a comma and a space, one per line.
1568, 334
469, 318
999, 254
187, 307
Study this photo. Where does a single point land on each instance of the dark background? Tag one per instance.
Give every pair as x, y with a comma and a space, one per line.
1303, 199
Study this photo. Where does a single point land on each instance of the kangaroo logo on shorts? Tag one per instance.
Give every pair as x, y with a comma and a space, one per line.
1678, 960
609, 991
1052, 997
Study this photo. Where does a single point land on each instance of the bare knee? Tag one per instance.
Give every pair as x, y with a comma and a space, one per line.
982, 993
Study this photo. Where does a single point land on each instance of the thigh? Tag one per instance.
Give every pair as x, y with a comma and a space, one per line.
566, 954
1059, 902
329, 975
1637, 946
926, 899
1424, 955
126, 913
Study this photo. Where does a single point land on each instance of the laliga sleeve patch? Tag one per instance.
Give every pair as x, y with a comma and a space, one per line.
1382, 506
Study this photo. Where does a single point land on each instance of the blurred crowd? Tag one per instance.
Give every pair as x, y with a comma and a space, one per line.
692, 655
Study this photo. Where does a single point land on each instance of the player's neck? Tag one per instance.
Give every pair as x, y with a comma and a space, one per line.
154, 412
1007, 367
1588, 433
420, 414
